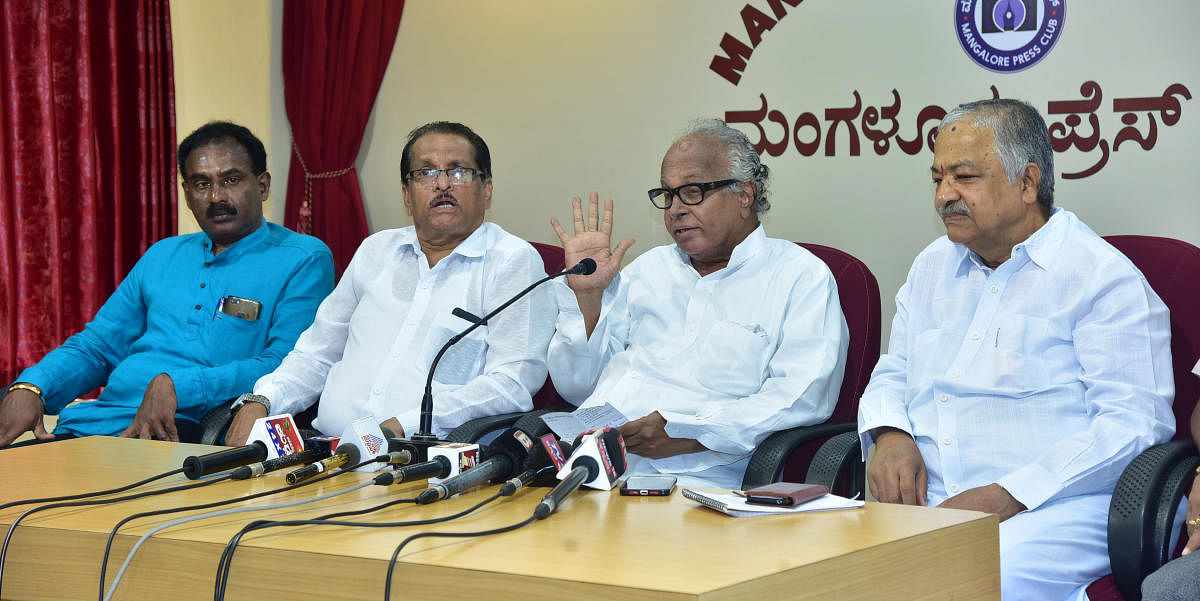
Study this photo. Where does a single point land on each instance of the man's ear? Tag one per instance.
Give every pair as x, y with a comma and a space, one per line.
1031, 181
264, 185
407, 200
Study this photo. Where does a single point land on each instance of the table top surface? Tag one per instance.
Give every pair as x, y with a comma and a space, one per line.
666, 543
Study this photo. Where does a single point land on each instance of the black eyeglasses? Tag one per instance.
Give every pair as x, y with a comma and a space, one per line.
688, 194
457, 175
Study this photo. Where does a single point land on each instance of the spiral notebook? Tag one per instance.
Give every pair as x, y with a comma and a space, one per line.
736, 506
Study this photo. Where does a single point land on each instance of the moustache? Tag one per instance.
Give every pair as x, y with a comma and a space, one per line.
954, 208
441, 197
220, 209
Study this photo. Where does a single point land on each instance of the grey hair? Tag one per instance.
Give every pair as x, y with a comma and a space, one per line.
1021, 138
744, 163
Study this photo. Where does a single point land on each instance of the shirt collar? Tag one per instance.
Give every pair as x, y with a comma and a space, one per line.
1040, 246
474, 246
240, 247
744, 251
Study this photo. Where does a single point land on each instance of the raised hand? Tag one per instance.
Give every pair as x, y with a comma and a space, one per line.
593, 238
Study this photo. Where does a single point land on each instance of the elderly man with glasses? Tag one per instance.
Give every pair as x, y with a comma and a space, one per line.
376, 335
707, 345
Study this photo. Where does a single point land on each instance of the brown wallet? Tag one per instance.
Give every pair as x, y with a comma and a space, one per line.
784, 494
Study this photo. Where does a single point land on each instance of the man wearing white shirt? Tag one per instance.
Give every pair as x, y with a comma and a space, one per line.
712, 343
1029, 360
374, 338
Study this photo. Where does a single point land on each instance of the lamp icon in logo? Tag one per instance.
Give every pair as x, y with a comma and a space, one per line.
1009, 15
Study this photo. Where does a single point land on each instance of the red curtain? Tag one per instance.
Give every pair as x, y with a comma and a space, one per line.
87, 178
335, 53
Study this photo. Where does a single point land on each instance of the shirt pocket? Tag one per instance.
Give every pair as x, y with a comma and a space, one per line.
1016, 360
233, 338
732, 358
465, 359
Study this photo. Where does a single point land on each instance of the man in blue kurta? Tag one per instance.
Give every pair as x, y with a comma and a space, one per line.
198, 319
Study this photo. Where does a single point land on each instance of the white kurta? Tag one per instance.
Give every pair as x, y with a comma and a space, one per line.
370, 347
726, 359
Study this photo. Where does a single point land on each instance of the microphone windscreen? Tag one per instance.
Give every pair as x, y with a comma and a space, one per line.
353, 455
514, 444
585, 267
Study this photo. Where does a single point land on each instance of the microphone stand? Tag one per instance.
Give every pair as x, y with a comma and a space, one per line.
424, 438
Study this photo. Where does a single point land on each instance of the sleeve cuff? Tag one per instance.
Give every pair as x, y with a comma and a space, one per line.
698, 427
865, 440
189, 389
1032, 485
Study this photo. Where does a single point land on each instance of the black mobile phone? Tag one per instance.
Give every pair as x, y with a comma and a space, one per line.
648, 486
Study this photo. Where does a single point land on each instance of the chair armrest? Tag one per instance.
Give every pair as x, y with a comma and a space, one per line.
214, 424
531, 423
768, 460
1141, 516
840, 457
473, 430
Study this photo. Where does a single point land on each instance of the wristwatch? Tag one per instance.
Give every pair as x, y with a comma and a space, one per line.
250, 397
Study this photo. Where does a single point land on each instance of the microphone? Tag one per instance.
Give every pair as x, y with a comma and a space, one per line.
604, 446
361, 438
196, 466
448, 460
424, 436
547, 457
279, 433
270, 437
255, 470
584, 267
347, 454
508, 451
599, 458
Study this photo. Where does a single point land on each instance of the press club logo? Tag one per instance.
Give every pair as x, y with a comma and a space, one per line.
1008, 35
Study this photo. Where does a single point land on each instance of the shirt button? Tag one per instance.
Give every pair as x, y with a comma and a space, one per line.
953, 488
202, 284
197, 307
377, 391
943, 398
953, 375
975, 336
995, 288
947, 440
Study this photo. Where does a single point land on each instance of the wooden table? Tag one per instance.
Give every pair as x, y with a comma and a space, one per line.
599, 545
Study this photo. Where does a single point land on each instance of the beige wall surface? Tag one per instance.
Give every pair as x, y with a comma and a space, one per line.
228, 67
581, 96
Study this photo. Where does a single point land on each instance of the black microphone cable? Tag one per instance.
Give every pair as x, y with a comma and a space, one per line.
141, 495
240, 473
223, 566
508, 488
129, 558
85, 495
387, 591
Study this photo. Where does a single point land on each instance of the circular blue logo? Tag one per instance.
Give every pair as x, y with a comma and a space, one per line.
1007, 36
